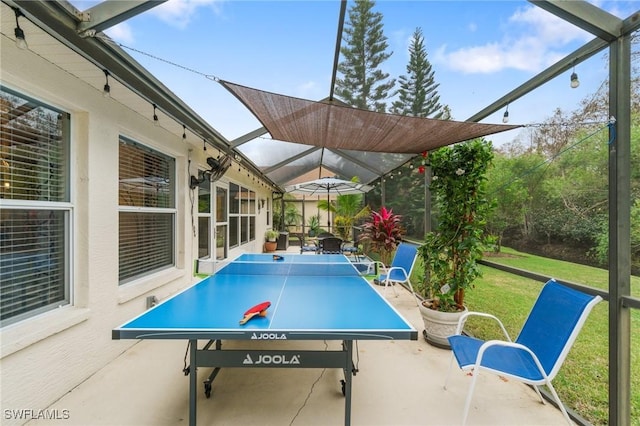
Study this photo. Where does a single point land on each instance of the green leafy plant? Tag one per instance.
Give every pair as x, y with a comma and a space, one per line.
349, 212
271, 235
383, 232
314, 225
450, 254
292, 216
348, 209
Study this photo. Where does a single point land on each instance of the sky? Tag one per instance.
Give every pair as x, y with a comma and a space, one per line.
479, 51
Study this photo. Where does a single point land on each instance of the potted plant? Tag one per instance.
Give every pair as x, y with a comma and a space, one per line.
450, 254
314, 225
270, 237
383, 232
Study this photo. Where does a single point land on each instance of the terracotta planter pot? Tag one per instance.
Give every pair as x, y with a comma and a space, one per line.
270, 246
439, 325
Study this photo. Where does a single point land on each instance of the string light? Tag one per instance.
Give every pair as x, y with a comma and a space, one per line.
505, 117
574, 79
21, 42
423, 163
184, 132
156, 122
106, 91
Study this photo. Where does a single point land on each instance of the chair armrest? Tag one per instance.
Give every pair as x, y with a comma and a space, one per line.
377, 262
398, 268
491, 343
465, 316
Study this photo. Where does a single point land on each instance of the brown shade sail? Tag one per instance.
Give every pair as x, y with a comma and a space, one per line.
330, 125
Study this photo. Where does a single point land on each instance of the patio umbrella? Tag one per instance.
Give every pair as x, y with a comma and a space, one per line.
329, 186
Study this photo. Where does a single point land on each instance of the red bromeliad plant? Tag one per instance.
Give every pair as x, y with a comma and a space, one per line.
384, 232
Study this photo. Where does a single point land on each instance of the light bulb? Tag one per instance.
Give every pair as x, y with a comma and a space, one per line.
106, 91
20, 40
574, 80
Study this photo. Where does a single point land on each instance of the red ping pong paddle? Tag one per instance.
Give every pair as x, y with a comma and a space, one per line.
259, 309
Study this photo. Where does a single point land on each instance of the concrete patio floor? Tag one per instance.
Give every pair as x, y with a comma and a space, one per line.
398, 383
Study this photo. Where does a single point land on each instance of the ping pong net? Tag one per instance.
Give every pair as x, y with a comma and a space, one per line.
290, 268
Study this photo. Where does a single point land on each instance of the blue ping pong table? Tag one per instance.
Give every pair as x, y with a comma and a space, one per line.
313, 297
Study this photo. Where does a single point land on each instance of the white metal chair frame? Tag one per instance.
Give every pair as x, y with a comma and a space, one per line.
397, 272
487, 359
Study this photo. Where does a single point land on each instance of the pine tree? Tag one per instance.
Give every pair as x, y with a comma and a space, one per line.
417, 97
418, 93
364, 85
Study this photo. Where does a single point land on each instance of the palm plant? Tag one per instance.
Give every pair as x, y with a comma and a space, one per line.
292, 216
347, 210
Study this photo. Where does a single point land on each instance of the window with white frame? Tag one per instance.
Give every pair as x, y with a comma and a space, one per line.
147, 214
242, 215
212, 225
204, 218
35, 218
234, 215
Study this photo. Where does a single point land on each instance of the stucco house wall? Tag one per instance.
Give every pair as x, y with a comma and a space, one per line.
46, 356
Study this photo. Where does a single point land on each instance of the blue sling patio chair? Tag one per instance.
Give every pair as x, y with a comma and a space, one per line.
400, 269
540, 349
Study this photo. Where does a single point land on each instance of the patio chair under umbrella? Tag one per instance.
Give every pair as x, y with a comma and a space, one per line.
329, 186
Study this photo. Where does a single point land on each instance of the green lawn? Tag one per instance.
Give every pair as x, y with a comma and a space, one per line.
582, 382
580, 274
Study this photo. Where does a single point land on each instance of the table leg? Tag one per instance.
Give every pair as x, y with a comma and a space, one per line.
348, 374
193, 383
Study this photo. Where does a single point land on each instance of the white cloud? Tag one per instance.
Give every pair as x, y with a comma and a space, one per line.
399, 41
547, 27
179, 13
533, 39
121, 32
619, 8
306, 89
